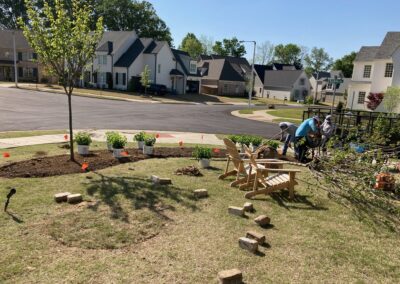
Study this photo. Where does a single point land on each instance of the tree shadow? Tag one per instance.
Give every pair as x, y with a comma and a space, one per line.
300, 202
140, 192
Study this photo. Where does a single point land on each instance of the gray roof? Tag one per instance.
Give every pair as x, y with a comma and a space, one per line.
367, 53
389, 45
282, 79
225, 68
178, 54
154, 47
117, 38
6, 41
130, 54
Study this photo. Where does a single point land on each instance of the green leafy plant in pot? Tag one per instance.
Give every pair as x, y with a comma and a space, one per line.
109, 137
149, 141
83, 140
139, 138
203, 155
256, 142
118, 143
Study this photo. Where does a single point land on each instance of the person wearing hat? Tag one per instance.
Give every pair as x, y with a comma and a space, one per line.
326, 131
306, 128
290, 130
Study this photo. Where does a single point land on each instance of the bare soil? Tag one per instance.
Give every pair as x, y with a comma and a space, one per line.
97, 160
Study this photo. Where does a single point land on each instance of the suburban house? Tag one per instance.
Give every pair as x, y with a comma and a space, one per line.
324, 90
226, 75
28, 69
285, 83
122, 56
375, 69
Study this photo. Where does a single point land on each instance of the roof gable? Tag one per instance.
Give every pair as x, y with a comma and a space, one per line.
130, 54
281, 78
389, 45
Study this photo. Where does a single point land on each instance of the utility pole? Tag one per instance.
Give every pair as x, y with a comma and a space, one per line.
15, 61
333, 100
316, 88
252, 69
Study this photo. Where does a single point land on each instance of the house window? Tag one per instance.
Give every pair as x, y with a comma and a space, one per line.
237, 89
225, 88
101, 78
102, 59
28, 72
193, 68
389, 70
361, 97
329, 86
121, 78
302, 82
159, 68
367, 71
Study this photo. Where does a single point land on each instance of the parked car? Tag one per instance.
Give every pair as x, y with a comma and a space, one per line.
156, 89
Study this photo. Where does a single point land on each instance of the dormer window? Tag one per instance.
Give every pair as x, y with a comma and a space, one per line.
193, 68
367, 71
389, 70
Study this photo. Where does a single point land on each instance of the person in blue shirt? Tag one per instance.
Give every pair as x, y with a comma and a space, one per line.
307, 127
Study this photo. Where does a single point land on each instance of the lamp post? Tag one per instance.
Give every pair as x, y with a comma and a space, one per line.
316, 88
15, 61
252, 69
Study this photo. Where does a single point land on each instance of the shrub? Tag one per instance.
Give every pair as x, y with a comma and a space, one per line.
201, 152
256, 140
271, 143
339, 107
140, 136
244, 140
118, 141
83, 138
149, 140
233, 138
109, 136
309, 100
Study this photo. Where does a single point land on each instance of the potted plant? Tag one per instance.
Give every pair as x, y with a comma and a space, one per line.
109, 137
255, 142
203, 155
139, 137
83, 140
244, 140
149, 141
118, 143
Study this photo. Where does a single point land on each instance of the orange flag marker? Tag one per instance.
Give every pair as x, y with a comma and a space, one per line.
6, 155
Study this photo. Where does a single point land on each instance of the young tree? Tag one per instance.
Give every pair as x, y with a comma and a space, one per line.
64, 42
265, 53
191, 45
391, 99
345, 64
145, 78
318, 60
127, 15
229, 47
288, 54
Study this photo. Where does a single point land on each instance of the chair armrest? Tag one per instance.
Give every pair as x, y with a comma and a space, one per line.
267, 170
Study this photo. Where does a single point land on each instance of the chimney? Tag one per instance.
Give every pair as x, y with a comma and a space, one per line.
110, 47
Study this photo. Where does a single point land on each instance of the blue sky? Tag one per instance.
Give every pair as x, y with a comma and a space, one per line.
339, 26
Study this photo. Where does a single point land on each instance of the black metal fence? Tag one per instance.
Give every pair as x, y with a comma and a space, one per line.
345, 119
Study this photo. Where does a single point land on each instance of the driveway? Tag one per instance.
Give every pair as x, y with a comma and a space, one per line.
32, 110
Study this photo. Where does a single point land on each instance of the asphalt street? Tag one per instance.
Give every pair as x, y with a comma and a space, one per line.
32, 110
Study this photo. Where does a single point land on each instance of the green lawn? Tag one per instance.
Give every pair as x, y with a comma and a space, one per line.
128, 229
247, 111
293, 113
17, 134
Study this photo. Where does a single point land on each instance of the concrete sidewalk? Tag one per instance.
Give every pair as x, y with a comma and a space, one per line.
169, 137
262, 115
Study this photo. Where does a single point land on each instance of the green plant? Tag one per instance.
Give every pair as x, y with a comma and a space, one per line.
149, 140
118, 141
309, 100
256, 140
109, 136
83, 138
233, 138
244, 140
201, 152
140, 136
271, 143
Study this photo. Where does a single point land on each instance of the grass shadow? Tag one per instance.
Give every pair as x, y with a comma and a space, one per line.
140, 192
15, 217
300, 202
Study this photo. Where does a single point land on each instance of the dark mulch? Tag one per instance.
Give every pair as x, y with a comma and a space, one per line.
97, 160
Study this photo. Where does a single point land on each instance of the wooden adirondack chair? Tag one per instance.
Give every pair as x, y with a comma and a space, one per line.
264, 184
241, 166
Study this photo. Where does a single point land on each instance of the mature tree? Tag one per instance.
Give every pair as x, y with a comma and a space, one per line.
391, 99
318, 60
191, 45
288, 54
265, 53
145, 78
10, 11
207, 44
229, 47
140, 16
374, 100
64, 42
345, 64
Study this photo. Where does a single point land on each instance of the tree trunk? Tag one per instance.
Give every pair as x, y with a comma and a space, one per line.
71, 135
